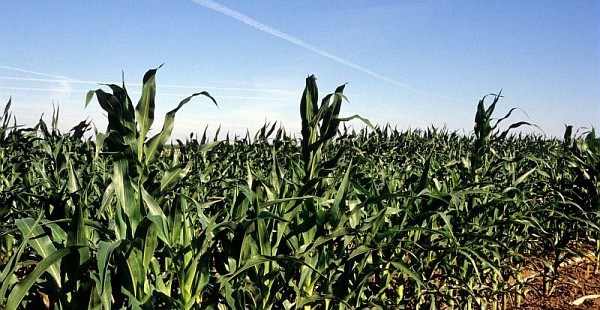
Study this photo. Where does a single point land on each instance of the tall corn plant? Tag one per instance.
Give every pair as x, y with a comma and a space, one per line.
6, 196
137, 195
320, 124
582, 157
482, 209
486, 132
320, 246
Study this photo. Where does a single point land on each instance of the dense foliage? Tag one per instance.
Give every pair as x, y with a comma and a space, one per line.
335, 220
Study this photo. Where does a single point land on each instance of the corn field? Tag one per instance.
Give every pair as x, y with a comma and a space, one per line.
335, 219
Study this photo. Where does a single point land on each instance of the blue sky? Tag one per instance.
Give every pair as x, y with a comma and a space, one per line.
407, 63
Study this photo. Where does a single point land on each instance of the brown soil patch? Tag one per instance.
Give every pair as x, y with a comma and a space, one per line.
575, 281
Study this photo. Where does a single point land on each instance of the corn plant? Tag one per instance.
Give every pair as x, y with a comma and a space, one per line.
138, 198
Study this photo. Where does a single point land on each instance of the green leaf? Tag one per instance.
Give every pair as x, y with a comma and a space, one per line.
77, 236
126, 194
40, 242
105, 251
21, 290
524, 177
409, 272
364, 120
340, 197
148, 234
264, 214
342, 231
208, 146
7, 276
144, 111
73, 183
77, 232
360, 250
156, 143
174, 175
157, 216
88, 97
136, 272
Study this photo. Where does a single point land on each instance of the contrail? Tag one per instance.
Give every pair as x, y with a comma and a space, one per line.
12, 78
63, 79
43, 89
138, 92
272, 31
271, 90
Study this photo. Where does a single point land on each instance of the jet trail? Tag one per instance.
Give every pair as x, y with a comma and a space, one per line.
284, 36
64, 79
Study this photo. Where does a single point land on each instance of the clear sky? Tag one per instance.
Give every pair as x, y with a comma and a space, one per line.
407, 63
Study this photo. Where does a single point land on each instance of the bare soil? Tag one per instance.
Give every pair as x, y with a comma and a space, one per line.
576, 280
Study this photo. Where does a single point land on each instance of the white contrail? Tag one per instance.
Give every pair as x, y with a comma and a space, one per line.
35, 72
65, 90
272, 31
63, 79
59, 90
12, 78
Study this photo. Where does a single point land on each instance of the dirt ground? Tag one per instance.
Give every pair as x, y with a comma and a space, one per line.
576, 280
